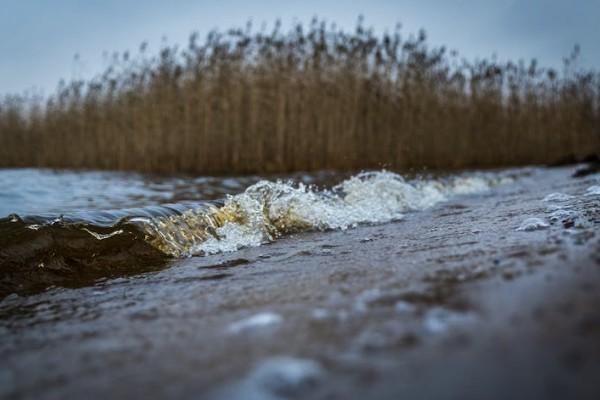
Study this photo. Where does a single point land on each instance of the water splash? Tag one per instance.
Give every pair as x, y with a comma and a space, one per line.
76, 249
267, 210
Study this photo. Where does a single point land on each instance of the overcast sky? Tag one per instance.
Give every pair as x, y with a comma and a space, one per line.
39, 38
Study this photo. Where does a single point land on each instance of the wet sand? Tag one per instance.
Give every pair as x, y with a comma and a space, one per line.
451, 302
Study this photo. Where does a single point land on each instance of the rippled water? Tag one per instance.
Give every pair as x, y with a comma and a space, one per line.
70, 228
36, 191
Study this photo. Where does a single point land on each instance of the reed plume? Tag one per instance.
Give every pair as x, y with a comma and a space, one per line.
312, 97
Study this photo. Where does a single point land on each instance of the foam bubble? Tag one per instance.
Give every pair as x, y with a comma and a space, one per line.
469, 185
557, 197
533, 224
593, 191
281, 378
439, 320
256, 321
561, 215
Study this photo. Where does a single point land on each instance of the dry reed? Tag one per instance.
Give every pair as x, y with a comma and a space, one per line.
310, 98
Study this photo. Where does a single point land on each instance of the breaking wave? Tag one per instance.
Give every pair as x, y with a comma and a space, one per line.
72, 250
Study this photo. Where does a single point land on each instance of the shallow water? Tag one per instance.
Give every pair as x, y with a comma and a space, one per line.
413, 308
70, 228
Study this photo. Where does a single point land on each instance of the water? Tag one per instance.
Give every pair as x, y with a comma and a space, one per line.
35, 191
399, 309
71, 228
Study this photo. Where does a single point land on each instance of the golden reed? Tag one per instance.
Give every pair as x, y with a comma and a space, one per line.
309, 98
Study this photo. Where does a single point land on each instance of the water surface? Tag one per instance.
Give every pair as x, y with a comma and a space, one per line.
70, 228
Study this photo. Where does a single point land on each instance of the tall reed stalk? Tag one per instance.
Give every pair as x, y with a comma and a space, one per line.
310, 98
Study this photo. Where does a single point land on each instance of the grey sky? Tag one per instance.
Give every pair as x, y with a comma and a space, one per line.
38, 39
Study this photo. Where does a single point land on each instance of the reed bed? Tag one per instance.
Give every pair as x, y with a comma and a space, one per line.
311, 97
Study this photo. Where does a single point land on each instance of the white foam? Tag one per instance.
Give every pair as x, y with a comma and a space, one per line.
533, 224
561, 215
469, 185
101, 236
593, 191
285, 373
557, 197
256, 321
232, 237
267, 209
439, 320
553, 207
278, 378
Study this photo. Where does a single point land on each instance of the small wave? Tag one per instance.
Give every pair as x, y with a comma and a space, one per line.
73, 250
267, 210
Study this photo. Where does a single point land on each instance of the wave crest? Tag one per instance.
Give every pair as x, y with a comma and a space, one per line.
74, 250
268, 210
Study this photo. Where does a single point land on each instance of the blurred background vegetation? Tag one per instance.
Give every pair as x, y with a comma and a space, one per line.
311, 97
